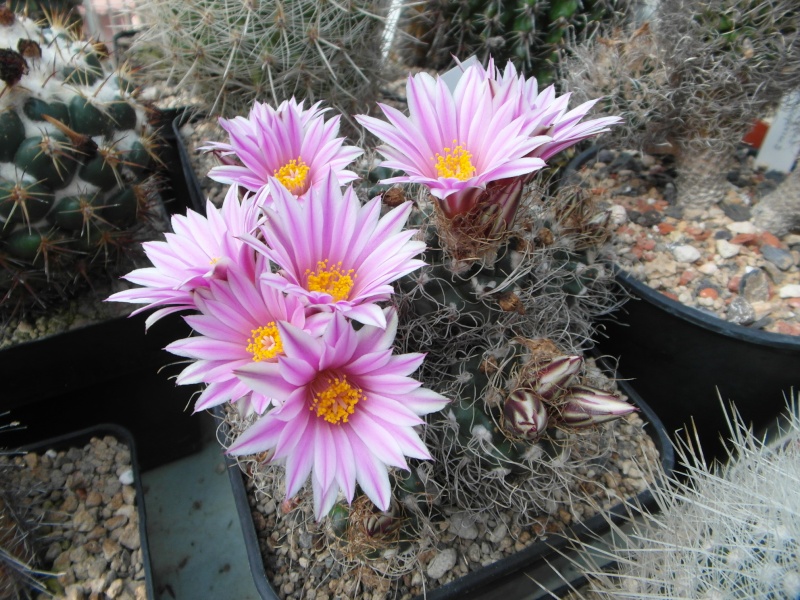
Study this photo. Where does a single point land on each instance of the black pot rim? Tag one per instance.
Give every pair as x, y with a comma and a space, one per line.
536, 553
673, 307
80, 438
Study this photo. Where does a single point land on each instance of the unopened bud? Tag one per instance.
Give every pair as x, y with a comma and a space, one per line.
524, 414
383, 523
586, 406
555, 375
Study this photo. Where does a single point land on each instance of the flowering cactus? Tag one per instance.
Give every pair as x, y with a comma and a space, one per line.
312, 311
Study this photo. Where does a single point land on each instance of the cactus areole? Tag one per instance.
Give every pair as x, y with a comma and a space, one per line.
75, 154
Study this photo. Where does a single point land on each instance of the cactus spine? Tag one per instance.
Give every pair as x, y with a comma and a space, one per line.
230, 53
722, 531
692, 81
530, 33
74, 164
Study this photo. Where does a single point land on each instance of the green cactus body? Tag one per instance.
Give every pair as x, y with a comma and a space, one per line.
74, 150
530, 33
233, 53
503, 337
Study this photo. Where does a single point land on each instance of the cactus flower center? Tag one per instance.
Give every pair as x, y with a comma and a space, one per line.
456, 163
294, 176
265, 342
330, 279
335, 399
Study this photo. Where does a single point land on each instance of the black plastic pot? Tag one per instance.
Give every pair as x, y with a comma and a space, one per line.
683, 360
78, 439
506, 578
108, 371
196, 196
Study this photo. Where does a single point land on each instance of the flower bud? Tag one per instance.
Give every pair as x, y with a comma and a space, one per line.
586, 406
555, 375
383, 523
524, 414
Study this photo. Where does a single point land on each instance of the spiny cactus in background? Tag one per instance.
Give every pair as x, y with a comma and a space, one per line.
530, 33
779, 211
43, 9
692, 81
727, 531
231, 53
75, 162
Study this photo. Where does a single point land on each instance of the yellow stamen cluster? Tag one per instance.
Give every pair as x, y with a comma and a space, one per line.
331, 280
265, 342
456, 162
294, 176
337, 400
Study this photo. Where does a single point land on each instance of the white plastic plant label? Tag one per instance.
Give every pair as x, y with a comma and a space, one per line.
782, 143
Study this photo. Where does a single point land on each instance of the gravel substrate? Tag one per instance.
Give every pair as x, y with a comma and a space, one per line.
90, 525
713, 259
301, 561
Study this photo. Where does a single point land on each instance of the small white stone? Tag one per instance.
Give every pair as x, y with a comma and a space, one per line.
742, 227
727, 250
686, 253
790, 291
442, 563
619, 216
126, 477
708, 268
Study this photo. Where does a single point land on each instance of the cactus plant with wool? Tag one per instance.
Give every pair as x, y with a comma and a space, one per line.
722, 531
231, 53
531, 33
75, 163
312, 311
692, 81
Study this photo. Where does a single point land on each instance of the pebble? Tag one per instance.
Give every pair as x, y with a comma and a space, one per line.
463, 525
726, 249
754, 286
90, 562
740, 311
779, 257
686, 253
790, 291
713, 232
442, 563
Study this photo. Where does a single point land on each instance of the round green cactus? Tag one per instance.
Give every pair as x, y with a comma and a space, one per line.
76, 151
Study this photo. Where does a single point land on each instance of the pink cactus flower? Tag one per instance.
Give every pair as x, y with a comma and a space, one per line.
295, 146
346, 411
237, 325
199, 249
334, 253
455, 142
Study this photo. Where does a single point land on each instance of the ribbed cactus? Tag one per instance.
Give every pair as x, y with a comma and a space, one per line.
528, 32
75, 160
230, 53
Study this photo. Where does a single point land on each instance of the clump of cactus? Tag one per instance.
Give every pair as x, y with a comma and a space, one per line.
229, 53
313, 310
722, 531
76, 157
530, 33
692, 81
